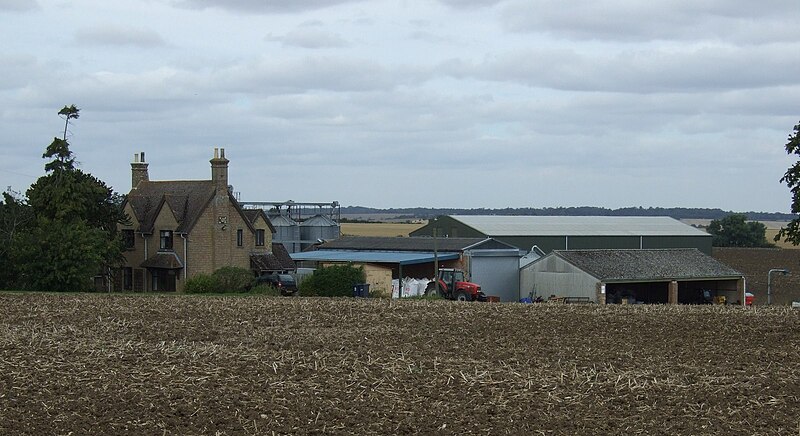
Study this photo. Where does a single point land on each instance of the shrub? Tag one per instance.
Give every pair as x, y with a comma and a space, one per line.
201, 284
332, 281
234, 279
265, 289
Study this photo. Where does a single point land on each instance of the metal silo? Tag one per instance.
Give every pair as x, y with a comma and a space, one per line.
318, 227
287, 232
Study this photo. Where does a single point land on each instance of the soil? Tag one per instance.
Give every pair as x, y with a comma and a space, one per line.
113, 364
755, 264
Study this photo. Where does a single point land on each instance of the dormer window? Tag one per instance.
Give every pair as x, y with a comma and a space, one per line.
260, 237
166, 240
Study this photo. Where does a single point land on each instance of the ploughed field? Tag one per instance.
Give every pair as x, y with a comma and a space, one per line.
100, 364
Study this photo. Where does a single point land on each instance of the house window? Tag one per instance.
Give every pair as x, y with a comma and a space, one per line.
239, 237
128, 239
166, 240
127, 279
260, 237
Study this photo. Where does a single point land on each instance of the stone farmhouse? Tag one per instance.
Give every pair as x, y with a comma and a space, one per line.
181, 228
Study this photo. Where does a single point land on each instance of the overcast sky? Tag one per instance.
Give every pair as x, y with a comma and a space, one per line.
449, 103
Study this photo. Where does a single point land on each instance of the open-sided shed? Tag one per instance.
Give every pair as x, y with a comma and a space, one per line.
647, 276
492, 264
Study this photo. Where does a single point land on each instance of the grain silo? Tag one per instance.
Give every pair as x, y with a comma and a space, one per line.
287, 231
318, 228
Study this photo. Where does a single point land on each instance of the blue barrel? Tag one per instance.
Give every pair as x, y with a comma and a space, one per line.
361, 290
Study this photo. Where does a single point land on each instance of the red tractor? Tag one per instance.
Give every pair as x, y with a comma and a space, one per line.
453, 286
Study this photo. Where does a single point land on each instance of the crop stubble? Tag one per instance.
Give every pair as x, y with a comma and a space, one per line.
92, 364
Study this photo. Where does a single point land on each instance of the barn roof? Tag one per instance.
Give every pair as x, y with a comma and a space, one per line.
399, 257
378, 243
634, 265
496, 225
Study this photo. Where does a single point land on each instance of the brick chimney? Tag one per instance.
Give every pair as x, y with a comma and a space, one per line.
138, 170
219, 170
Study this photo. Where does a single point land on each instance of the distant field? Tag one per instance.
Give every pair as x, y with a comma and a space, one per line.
770, 233
378, 229
772, 230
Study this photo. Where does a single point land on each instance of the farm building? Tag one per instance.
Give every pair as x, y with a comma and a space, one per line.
572, 232
628, 276
492, 264
181, 228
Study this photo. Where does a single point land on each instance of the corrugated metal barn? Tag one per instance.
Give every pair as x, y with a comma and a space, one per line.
631, 276
573, 232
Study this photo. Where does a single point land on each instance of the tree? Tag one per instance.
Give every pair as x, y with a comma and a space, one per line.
735, 231
74, 236
791, 233
333, 281
16, 218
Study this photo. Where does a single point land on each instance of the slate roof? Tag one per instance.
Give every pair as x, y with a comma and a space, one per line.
186, 198
278, 260
377, 243
253, 214
648, 265
497, 225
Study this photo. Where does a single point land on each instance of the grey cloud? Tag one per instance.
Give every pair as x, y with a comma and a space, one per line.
117, 36
470, 3
312, 73
623, 20
18, 70
19, 5
641, 71
310, 37
262, 6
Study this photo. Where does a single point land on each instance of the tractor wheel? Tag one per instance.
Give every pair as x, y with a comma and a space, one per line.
431, 291
463, 296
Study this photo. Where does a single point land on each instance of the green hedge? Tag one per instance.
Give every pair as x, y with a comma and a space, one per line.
201, 284
332, 281
224, 280
234, 279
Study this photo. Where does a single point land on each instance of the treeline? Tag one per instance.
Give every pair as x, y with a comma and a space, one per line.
674, 212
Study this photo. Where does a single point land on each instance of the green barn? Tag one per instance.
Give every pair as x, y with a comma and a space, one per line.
572, 232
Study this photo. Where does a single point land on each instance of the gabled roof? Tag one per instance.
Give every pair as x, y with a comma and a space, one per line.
377, 243
186, 198
253, 214
647, 265
497, 225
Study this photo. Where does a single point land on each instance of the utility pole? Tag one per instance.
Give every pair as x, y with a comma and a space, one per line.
435, 260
